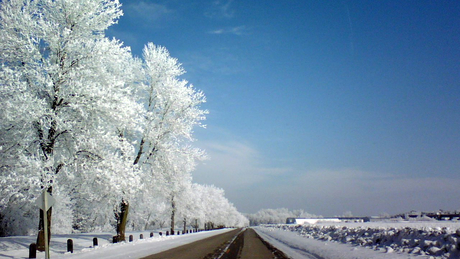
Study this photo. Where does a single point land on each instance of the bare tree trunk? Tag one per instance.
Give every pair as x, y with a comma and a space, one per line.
173, 214
122, 217
147, 223
185, 225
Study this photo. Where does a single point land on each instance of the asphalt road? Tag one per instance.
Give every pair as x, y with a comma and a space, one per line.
236, 244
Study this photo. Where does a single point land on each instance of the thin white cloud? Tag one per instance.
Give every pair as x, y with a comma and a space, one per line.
231, 164
146, 11
219, 31
238, 30
234, 164
220, 61
221, 9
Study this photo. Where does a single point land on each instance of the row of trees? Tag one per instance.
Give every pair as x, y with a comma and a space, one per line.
276, 216
105, 132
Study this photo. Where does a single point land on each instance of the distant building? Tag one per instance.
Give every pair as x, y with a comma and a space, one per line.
310, 221
301, 221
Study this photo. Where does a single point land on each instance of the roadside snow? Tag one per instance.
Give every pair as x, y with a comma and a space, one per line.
18, 246
366, 240
377, 240
299, 247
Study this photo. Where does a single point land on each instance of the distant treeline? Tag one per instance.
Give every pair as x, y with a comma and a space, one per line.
276, 216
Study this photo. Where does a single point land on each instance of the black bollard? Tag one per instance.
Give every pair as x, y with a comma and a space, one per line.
95, 242
33, 250
151, 234
115, 239
161, 233
141, 236
167, 233
130, 238
69, 245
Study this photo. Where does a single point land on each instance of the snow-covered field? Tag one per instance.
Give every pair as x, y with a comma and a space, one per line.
434, 239
18, 246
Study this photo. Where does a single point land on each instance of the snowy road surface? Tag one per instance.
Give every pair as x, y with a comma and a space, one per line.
210, 247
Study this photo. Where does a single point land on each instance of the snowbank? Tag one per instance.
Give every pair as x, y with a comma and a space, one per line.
440, 240
298, 247
18, 246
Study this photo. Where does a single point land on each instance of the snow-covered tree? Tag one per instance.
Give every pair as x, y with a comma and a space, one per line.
173, 105
173, 109
215, 209
100, 130
65, 91
173, 169
276, 216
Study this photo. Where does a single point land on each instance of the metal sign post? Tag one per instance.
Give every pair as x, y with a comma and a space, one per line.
45, 202
45, 223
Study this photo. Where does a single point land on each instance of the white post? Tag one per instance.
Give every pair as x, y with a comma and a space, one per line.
45, 223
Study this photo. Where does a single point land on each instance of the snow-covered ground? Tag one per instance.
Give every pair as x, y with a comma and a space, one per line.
435, 239
18, 246
378, 240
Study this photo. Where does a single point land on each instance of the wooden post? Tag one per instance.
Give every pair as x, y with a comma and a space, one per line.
151, 234
130, 238
33, 250
141, 236
70, 245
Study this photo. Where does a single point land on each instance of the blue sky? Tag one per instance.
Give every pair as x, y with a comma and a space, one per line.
326, 106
